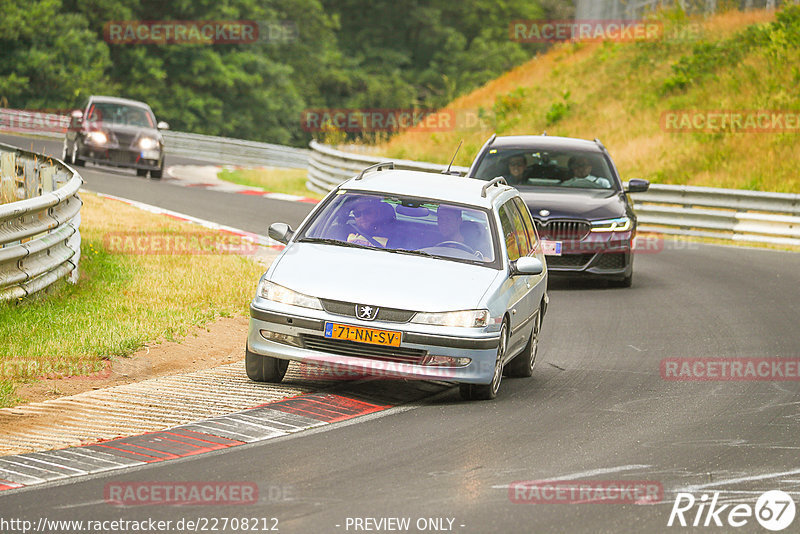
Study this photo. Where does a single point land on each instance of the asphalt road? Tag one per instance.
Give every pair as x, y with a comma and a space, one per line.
596, 409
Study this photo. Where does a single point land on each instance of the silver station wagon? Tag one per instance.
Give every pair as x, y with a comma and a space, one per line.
405, 274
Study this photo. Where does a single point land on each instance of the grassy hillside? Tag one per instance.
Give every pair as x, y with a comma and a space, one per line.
617, 92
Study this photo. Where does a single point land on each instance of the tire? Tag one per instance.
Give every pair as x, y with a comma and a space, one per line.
264, 368
488, 391
522, 364
141, 172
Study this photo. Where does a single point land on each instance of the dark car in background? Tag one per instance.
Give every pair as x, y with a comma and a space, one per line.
117, 132
579, 204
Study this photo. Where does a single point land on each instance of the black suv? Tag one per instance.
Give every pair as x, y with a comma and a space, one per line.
576, 198
118, 132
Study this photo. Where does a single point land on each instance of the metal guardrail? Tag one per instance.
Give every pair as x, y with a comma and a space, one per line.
224, 150
328, 167
234, 151
746, 216
39, 222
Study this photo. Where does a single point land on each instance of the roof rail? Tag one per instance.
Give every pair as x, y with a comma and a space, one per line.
596, 140
544, 133
490, 183
376, 167
491, 140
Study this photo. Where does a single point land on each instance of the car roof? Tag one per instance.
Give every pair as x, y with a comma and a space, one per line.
439, 187
117, 100
545, 142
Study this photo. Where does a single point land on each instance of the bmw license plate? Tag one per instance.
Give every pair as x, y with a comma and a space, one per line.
551, 248
362, 335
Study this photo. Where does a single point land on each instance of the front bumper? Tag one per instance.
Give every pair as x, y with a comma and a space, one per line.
600, 255
308, 345
118, 157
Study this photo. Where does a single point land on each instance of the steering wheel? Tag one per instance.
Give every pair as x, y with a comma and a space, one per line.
359, 231
456, 244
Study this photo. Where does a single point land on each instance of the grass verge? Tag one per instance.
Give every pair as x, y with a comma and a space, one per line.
274, 180
619, 92
121, 301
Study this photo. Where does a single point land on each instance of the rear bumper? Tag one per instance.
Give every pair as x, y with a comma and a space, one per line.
299, 332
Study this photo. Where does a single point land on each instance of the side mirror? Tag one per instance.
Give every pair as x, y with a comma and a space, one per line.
528, 265
162, 125
280, 232
635, 185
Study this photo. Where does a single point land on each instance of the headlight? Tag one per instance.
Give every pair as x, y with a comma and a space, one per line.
97, 138
466, 318
272, 291
147, 143
622, 224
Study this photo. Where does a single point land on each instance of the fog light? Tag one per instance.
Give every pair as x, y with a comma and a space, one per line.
284, 339
446, 361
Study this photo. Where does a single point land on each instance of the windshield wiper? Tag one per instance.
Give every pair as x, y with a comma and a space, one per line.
410, 252
329, 241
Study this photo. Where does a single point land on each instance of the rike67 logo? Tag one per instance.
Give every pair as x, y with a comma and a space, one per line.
774, 510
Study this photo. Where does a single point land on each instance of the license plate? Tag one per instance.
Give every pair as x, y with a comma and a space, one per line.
551, 248
362, 335
149, 154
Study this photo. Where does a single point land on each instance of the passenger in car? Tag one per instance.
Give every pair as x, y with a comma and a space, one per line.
581, 167
448, 221
516, 170
369, 226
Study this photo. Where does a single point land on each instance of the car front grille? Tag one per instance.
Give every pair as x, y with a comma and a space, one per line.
348, 309
569, 260
561, 230
363, 350
121, 156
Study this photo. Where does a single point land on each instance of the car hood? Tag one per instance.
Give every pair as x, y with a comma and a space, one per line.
591, 204
382, 278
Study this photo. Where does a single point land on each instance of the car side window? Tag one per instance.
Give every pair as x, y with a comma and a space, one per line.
526, 218
519, 228
509, 232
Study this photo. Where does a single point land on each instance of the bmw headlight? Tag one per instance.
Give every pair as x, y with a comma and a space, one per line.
621, 224
277, 293
465, 318
97, 138
147, 143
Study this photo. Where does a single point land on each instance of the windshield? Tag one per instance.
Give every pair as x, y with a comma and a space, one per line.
547, 168
120, 114
404, 225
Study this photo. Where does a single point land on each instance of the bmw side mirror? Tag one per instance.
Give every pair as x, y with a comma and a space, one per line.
162, 126
635, 185
280, 232
528, 265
